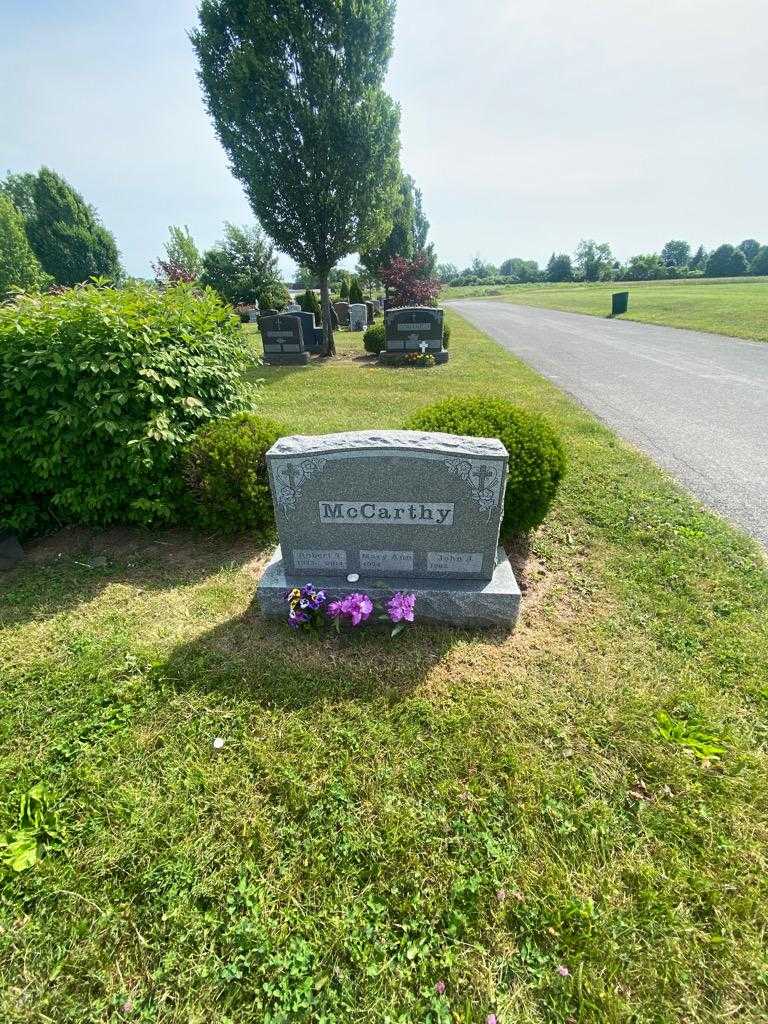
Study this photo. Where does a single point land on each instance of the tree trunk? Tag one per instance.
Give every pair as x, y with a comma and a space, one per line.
325, 298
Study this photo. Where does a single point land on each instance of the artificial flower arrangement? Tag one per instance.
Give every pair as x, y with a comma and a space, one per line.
309, 608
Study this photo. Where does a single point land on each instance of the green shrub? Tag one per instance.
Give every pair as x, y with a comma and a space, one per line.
100, 388
536, 456
374, 338
226, 470
355, 291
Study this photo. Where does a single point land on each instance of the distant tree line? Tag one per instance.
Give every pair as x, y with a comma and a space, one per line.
594, 261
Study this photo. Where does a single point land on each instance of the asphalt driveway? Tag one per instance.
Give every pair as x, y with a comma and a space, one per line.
696, 403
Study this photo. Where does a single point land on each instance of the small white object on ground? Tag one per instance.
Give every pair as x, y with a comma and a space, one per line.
353, 577
218, 743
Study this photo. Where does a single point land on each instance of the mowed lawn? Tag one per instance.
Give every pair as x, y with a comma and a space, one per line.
566, 824
734, 306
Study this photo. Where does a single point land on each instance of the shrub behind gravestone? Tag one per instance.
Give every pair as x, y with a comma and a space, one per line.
100, 388
536, 455
226, 470
374, 338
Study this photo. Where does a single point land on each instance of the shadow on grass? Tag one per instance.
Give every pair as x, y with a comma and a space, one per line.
257, 660
73, 567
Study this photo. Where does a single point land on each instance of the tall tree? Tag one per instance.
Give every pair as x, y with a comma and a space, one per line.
594, 259
19, 267
182, 261
294, 88
699, 259
726, 261
20, 188
400, 240
559, 267
66, 234
676, 254
749, 247
242, 268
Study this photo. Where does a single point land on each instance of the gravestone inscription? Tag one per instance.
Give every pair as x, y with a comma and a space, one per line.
283, 340
393, 510
416, 329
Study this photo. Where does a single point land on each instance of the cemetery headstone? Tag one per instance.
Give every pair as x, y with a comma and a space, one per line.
342, 311
382, 511
283, 340
311, 333
253, 314
358, 316
413, 329
371, 312
292, 307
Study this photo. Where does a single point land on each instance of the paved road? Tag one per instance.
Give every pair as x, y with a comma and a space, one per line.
696, 403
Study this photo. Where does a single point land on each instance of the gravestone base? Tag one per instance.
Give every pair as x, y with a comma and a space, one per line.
477, 604
286, 358
393, 358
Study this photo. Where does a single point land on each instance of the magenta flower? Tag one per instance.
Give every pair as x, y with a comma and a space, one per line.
563, 971
440, 988
491, 1019
357, 608
400, 607
335, 609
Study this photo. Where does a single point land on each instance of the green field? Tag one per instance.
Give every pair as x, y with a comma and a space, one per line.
565, 824
734, 306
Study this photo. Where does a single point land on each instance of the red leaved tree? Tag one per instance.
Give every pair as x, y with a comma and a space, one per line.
407, 283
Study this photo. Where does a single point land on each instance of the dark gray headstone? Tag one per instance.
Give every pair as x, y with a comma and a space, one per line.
342, 311
389, 503
371, 312
312, 335
283, 338
414, 329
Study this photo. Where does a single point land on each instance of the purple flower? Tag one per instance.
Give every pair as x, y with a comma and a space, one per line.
491, 1019
440, 988
335, 609
357, 608
563, 971
400, 607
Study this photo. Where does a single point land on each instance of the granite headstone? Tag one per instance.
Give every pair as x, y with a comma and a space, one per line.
358, 316
342, 312
416, 329
388, 510
283, 340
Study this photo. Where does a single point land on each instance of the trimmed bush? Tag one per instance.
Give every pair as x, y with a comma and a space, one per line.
226, 470
536, 455
374, 338
100, 389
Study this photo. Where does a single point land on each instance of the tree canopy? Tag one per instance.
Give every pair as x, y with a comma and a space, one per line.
242, 268
19, 267
182, 262
294, 88
64, 231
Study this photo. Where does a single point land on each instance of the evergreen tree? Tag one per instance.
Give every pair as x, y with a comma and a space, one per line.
699, 259
295, 92
559, 267
66, 235
344, 289
355, 291
19, 267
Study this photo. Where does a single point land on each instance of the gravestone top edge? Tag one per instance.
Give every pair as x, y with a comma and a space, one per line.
389, 440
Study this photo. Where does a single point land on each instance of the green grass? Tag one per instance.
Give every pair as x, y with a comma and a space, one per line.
734, 306
589, 792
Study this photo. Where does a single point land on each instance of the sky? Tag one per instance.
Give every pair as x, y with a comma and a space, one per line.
526, 126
